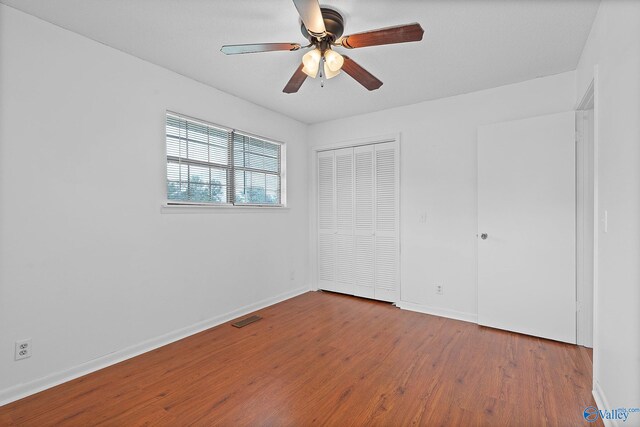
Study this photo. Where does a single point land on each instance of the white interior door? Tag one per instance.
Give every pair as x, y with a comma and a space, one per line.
358, 221
526, 211
326, 220
344, 221
387, 249
364, 221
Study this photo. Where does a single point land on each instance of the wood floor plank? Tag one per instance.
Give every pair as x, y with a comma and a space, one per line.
6, 420
329, 359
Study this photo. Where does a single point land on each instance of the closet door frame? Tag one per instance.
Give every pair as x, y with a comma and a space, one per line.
313, 201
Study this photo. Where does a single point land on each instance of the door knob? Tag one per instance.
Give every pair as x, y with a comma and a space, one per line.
484, 236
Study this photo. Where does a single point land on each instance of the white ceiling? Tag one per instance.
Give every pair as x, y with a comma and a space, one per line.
468, 45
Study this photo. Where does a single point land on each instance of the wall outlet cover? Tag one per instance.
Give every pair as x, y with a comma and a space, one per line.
23, 349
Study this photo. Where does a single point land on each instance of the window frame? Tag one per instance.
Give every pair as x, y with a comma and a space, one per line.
230, 168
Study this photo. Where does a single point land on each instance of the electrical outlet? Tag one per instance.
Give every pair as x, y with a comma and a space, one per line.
439, 289
23, 349
292, 275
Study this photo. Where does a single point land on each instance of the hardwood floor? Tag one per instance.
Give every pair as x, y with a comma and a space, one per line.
329, 359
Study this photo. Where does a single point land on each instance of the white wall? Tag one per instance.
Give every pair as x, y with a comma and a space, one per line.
614, 47
90, 267
438, 177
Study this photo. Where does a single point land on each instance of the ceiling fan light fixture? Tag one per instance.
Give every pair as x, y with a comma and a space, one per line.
311, 62
328, 72
333, 60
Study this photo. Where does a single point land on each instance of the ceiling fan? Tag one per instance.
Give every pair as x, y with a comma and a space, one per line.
323, 27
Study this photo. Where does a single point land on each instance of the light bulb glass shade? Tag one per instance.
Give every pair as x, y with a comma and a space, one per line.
333, 60
329, 73
311, 61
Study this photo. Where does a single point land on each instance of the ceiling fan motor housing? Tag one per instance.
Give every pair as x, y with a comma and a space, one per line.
333, 22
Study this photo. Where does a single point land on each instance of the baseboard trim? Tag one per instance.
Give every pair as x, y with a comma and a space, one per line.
438, 311
602, 402
20, 391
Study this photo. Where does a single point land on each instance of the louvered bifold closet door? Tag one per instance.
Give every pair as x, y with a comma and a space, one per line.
326, 220
344, 221
364, 270
387, 224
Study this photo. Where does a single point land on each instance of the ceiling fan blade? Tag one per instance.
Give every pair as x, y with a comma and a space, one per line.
398, 34
311, 15
234, 49
296, 81
361, 75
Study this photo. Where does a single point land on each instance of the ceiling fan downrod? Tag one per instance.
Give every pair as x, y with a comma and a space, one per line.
334, 27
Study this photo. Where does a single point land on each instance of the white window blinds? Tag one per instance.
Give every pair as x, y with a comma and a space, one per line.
213, 165
256, 170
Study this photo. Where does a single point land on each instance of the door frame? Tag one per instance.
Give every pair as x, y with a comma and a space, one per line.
313, 196
585, 294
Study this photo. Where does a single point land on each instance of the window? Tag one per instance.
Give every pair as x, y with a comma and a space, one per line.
209, 164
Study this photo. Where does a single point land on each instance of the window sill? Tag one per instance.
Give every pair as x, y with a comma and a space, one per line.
222, 208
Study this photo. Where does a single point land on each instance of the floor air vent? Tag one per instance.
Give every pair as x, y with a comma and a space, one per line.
245, 322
